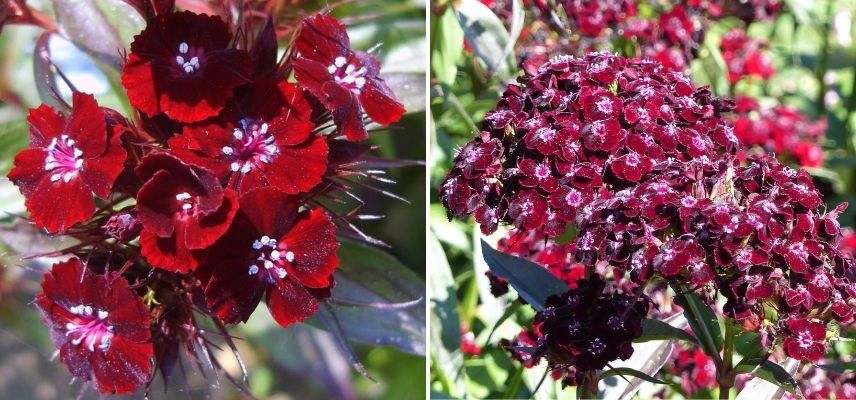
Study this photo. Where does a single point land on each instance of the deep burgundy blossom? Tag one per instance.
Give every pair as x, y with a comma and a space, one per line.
591, 18
183, 65
346, 81
70, 159
183, 209
587, 328
275, 251
266, 140
672, 39
582, 127
806, 339
99, 325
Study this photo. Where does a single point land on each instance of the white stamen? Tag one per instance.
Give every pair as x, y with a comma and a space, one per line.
102, 314
228, 150
258, 245
56, 177
182, 196
281, 272
186, 206
183, 47
268, 264
235, 167
246, 168
264, 128
274, 255
238, 134
289, 256
340, 61
179, 60
254, 269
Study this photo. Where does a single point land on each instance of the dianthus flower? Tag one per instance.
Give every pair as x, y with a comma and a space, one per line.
183, 65
70, 159
592, 18
672, 39
99, 325
344, 80
696, 369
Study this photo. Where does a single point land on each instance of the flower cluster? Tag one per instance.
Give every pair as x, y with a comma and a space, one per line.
745, 57
755, 232
780, 129
209, 199
818, 383
591, 18
583, 329
672, 39
577, 128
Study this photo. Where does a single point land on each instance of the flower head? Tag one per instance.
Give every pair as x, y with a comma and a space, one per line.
183, 65
70, 159
273, 250
99, 325
346, 81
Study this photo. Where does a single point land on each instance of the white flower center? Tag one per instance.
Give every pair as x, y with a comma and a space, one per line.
63, 159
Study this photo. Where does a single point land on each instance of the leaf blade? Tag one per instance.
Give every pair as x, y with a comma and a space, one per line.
532, 282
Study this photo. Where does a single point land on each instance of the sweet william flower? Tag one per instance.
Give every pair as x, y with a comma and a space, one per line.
265, 140
273, 250
806, 339
182, 65
99, 325
344, 80
182, 209
70, 159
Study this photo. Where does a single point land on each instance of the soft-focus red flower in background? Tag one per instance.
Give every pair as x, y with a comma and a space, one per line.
70, 159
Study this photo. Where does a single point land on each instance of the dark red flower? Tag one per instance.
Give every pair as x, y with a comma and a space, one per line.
273, 250
266, 141
99, 325
468, 343
806, 339
69, 159
346, 81
182, 209
182, 64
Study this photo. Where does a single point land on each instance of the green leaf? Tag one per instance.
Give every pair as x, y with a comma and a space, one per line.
487, 36
654, 329
703, 322
621, 371
770, 372
446, 47
839, 367
446, 358
532, 282
369, 282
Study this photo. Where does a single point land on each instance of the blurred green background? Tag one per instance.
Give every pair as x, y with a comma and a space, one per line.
299, 362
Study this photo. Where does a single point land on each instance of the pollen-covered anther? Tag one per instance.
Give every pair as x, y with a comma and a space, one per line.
184, 61
347, 74
63, 159
184, 198
252, 146
89, 327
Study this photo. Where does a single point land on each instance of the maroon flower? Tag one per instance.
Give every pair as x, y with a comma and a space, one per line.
182, 209
272, 250
344, 80
69, 159
806, 339
267, 141
182, 64
99, 326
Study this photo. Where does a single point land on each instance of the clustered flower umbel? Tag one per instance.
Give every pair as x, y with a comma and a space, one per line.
213, 202
644, 164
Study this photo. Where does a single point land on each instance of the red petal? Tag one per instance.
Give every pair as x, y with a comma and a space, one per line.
379, 102
56, 206
138, 80
231, 293
322, 38
346, 112
205, 231
45, 124
100, 173
290, 302
165, 253
87, 126
125, 367
294, 170
294, 123
28, 170
314, 244
270, 211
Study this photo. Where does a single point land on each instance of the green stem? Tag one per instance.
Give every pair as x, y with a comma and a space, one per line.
725, 375
823, 62
587, 387
514, 385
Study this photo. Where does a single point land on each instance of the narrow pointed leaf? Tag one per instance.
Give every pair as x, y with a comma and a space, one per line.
624, 371
654, 329
703, 322
532, 282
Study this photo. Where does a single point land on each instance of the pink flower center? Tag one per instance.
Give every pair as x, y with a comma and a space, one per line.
604, 105
89, 327
804, 339
632, 160
252, 147
269, 261
542, 171
574, 198
347, 74
187, 58
63, 159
